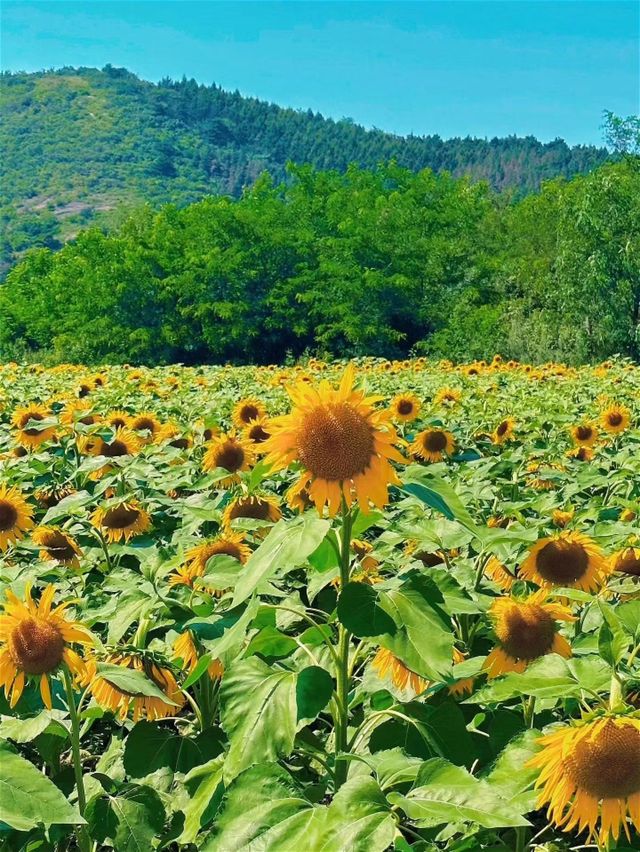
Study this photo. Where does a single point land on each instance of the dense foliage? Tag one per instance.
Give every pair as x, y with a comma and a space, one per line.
81, 145
364, 262
193, 656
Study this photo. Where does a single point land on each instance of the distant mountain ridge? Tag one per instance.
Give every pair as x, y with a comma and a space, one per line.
81, 145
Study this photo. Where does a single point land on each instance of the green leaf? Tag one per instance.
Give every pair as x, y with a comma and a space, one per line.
205, 788
132, 682
259, 714
149, 747
287, 546
613, 641
223, 637
359, 610
26, 730
446, 793
510, 775
271, 642
314, 688
359, 817
266, 808
629, 617
28, 798
130, 820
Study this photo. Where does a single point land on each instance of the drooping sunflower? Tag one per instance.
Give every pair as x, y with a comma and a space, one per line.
615, 419
16, 516
257, 432
185, 575
590, 776
343, 444
584, 434
35, 641
32, 436
405, 407
388, 665
150, 707
185, 649
526, 630
503, 431
432, 445
568, 559
230, 453
121, 521
247, 410
58, 545
259, 508
627, 561
496, 571
147, 424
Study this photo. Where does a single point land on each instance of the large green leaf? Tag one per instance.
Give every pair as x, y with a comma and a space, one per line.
360, 611
266, 809
130, 820
149, 747
358, 818
314, 687
27, 797
286, 547
205, 788
510, 776
26, 730
446, 793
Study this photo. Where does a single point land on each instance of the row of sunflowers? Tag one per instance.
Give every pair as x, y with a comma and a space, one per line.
382, 605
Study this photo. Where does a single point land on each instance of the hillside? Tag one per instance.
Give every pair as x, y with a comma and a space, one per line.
83, 145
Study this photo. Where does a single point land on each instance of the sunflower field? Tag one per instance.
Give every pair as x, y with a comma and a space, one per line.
324, 608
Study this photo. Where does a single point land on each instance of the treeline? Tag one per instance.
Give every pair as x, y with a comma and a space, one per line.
80, 145
384, 262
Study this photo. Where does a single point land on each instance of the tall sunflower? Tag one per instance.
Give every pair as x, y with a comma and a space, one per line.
230, 453
32, 435
343, 444
58, 545
526, 630
405, 407
615, 419
112, 698
247, 410
432, 445
121, 521
35, 641
568, 559
16, 516
590, 776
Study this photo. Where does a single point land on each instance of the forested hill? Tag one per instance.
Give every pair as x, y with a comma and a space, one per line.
80, 145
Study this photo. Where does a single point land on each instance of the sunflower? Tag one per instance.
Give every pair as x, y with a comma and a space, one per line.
526, 630
582, 454
387, 664
117, 419
496, 571
263, 508
628, 515
112, 698
627, 561
590, 776
125, 442
76, 412
405, 407
503, 431
35, 640
122, 521
184, 648
51, 495
247, 410
146, 423
561, 518
257, 432
230, 453
16, 516
566, 559
185, 575
615, 419
57, 545
229, 544
449, 396
584, 434
428, 558
432, 445
32, 436
297, 497
343, 444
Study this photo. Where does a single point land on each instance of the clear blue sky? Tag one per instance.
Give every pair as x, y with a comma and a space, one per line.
457, 68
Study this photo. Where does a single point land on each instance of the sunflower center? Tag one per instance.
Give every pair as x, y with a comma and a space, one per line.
435, 442
607, 765
583, 433
248, 413
114, 449
526, 632
257, 434
248, 508
117, 422
335, 442
615, 419
179, 443
58, 547
8, 516
223, 548
629, 563
405, 406
230, 456
562, 561
36, 646
33, 415
145, 423
120, 517
503, 428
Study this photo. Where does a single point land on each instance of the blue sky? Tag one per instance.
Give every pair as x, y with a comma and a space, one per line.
457, 68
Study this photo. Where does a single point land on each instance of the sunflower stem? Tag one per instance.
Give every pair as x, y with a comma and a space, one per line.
342, 668
521, 839
84, 841
530, 711
615, 692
